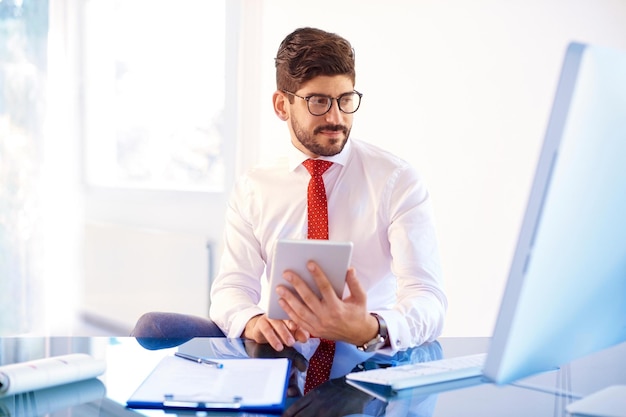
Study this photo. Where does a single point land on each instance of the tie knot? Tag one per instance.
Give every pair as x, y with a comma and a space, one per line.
316, 166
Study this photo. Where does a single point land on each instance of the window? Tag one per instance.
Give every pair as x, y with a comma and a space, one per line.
23, 75
154, 90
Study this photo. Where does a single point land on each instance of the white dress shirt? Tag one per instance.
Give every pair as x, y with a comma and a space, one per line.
376, 200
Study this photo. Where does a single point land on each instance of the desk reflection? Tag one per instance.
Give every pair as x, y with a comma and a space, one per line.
52, 400
129, 362
334, 397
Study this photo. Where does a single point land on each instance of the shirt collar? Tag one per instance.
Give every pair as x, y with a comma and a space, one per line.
297, 157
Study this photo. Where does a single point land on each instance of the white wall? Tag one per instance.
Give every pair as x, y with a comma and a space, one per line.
463, 91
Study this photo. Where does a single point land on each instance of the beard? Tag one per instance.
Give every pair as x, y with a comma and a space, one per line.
310, 142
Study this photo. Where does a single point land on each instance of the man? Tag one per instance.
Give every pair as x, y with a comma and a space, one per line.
373, 199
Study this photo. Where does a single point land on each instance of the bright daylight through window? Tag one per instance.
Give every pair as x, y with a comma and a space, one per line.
154, 94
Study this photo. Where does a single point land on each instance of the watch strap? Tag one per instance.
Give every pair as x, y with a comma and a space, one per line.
380, 339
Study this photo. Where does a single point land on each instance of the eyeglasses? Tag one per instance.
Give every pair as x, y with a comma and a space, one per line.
319, 105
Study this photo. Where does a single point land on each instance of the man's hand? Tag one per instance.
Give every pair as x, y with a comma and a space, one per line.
277, 333
329, 317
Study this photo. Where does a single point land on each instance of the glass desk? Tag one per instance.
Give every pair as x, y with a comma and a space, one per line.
129, 363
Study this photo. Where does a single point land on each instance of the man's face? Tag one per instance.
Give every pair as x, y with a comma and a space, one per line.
324, 135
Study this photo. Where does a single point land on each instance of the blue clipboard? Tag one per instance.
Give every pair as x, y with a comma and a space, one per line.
251, 384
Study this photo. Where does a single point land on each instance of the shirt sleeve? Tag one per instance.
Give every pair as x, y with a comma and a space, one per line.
418, 314
236, 290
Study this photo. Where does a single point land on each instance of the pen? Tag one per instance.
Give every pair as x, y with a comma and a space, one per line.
198, 359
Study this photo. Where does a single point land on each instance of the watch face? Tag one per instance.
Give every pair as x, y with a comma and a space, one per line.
373, 344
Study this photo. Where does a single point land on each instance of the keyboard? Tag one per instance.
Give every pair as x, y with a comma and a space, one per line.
423, 373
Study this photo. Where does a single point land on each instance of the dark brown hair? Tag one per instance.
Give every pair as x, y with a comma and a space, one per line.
307, 53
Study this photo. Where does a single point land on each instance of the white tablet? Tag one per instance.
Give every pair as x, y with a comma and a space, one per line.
332, 256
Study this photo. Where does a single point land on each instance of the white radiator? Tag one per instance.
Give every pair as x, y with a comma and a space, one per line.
130, 271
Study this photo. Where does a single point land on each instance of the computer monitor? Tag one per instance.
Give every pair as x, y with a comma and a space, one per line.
566, 292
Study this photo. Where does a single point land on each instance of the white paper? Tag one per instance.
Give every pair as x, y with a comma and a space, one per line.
48, 372
256, 382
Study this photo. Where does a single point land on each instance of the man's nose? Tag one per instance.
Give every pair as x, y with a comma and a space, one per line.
334, 115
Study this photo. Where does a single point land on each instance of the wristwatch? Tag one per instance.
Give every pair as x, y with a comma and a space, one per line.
379, 340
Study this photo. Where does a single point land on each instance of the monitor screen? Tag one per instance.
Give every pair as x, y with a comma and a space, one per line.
566, 292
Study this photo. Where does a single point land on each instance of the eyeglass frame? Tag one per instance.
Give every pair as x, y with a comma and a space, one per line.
307, 98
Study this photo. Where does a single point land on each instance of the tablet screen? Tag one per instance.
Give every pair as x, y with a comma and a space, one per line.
332, 256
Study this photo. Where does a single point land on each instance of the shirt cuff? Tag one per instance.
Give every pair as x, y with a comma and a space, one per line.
399, 337
242, 318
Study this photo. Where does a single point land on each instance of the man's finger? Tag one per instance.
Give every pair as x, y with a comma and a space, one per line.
357, 293
323, 284
282, 331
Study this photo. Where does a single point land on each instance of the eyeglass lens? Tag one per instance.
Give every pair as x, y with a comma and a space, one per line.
348, 103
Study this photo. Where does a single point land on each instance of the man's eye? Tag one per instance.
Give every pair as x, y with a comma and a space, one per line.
319, 100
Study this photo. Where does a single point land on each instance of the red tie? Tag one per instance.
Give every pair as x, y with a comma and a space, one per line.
317, 209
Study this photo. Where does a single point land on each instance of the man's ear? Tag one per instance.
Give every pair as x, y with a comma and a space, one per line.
280, 105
